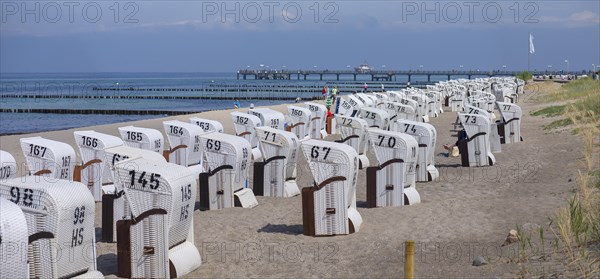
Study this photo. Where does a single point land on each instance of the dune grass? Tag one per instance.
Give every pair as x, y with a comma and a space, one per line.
578, 222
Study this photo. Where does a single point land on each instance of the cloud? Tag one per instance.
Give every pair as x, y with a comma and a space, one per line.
580, 19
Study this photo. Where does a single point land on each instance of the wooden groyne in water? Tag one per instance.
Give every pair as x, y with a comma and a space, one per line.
100, 111
129, 97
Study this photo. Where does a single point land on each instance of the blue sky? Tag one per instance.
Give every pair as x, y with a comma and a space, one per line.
224, 36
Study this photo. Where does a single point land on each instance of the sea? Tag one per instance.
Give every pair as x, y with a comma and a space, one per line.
36, 102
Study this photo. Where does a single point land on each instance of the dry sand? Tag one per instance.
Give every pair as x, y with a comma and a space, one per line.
466, 213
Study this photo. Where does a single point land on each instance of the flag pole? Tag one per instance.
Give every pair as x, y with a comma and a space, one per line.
528, 52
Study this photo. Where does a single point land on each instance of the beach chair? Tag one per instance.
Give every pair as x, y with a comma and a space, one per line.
318, 120
456, 103
114, 204
157, 241
422, 108
392, 181
350, 106
8, 165
184, 141
244, 125
353, 131
60, 217
14, 239
225, 182
93, 172
299, 122
329, 207
509, 128
208, 125
476, 151
144, 138
381, 97
425, 134
275, 176
397, 110
494, 137
375, 117
48, 158
365, 99
269, 117
414, 104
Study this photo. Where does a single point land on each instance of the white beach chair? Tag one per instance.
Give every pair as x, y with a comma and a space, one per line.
457, 103
476, 151
8, 165
144, 138
350, 106
509, 127
329, 207
114, 204
392, 181
425, 134
269, 117
93, 172
397, 110
375, 117
208, 125
48, 158
14, 239
365, 99
422, 108
225, 182
244, 125
185, 147
276, 175
354, 133
299, 123
494, 137
60, 217
158, 240
414, 104
318, 120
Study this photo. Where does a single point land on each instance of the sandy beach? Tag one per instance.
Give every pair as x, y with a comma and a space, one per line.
466, 213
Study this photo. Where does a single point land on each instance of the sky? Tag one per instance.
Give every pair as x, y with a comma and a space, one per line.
225, 36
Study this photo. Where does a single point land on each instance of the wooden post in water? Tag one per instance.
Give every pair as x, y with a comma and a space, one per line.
409, 259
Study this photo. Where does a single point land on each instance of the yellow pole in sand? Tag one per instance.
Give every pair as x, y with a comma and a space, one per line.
409, 259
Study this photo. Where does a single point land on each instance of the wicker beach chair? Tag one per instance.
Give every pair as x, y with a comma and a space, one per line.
244, 125
494, 136
318, 120
354, 133
414, 104
60, 217
299, 122
509, 128
208, 125
329, 207
422, 108
184, 141
275, 176
476, 151
93, 171
392, 181
376, 118
425, 134
365, 99
225, 182
157, 241
269, 117
114, 204
144, 138
457, 102
8, 165
350, 105
14, 239
48, 158
397, 110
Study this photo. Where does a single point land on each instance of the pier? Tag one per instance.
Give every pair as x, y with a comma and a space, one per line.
375, 75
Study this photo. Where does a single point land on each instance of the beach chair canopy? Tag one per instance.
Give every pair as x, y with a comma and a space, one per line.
49, 158
144, 138
208, 125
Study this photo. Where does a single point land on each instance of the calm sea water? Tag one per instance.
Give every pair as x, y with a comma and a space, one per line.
60, 85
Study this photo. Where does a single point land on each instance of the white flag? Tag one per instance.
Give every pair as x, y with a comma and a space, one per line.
531, 48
